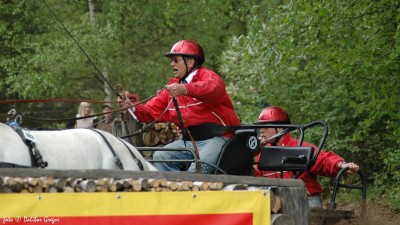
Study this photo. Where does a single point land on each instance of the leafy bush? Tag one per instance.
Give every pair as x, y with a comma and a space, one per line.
331, 61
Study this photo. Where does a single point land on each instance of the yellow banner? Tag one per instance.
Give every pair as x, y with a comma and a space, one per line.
161, 208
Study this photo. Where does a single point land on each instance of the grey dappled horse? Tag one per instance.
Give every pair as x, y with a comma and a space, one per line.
70, 149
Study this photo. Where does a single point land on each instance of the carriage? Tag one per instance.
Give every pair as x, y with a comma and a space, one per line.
95, 156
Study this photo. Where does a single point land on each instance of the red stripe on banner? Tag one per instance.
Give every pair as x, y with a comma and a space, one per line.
209, 219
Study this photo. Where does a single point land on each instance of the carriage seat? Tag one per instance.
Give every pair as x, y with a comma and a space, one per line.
236, 157
280, 158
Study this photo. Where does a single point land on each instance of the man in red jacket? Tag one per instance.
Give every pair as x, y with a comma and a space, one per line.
204, 107
327, 164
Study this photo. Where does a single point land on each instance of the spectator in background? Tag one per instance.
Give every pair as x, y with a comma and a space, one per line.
85, 109
106, 123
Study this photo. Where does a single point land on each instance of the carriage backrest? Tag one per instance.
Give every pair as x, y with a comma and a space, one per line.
236, 157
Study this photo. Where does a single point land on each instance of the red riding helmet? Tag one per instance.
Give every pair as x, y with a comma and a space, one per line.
187, 48
273, 115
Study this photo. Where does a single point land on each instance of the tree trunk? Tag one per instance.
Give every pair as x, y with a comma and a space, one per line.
107, 89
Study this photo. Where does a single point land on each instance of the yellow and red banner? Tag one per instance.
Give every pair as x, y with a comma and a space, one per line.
137, 208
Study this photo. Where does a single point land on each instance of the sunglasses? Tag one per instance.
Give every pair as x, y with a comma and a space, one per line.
176, 60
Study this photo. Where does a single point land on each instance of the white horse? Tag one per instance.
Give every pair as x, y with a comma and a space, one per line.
71, 149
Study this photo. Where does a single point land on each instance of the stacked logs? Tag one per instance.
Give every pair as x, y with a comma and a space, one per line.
49, 184
160, 134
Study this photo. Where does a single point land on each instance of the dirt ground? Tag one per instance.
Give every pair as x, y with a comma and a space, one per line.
375, 214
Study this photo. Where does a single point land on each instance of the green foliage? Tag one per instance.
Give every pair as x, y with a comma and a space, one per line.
326, 60
387, 182
126, 42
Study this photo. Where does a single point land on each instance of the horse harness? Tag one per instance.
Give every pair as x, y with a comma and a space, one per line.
29, 140
117, 160
14, 121
37, 158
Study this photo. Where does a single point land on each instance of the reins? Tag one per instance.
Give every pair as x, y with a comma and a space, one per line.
74, 118
5, 102
148, 125
83, 117
114, 112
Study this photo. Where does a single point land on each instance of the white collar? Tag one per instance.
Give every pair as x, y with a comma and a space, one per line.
190, 76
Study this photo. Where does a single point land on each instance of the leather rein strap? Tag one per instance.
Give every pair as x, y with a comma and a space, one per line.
5, 102
117, 160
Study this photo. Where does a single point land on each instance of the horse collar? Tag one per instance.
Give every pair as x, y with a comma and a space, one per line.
29, 140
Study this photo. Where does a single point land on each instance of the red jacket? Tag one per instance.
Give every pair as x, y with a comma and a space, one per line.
206, 101
325, 165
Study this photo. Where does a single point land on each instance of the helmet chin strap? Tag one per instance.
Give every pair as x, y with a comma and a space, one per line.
187, 69
276, 138
277, 135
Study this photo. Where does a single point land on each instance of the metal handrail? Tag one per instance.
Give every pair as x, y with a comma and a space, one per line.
323, 138
337, 184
